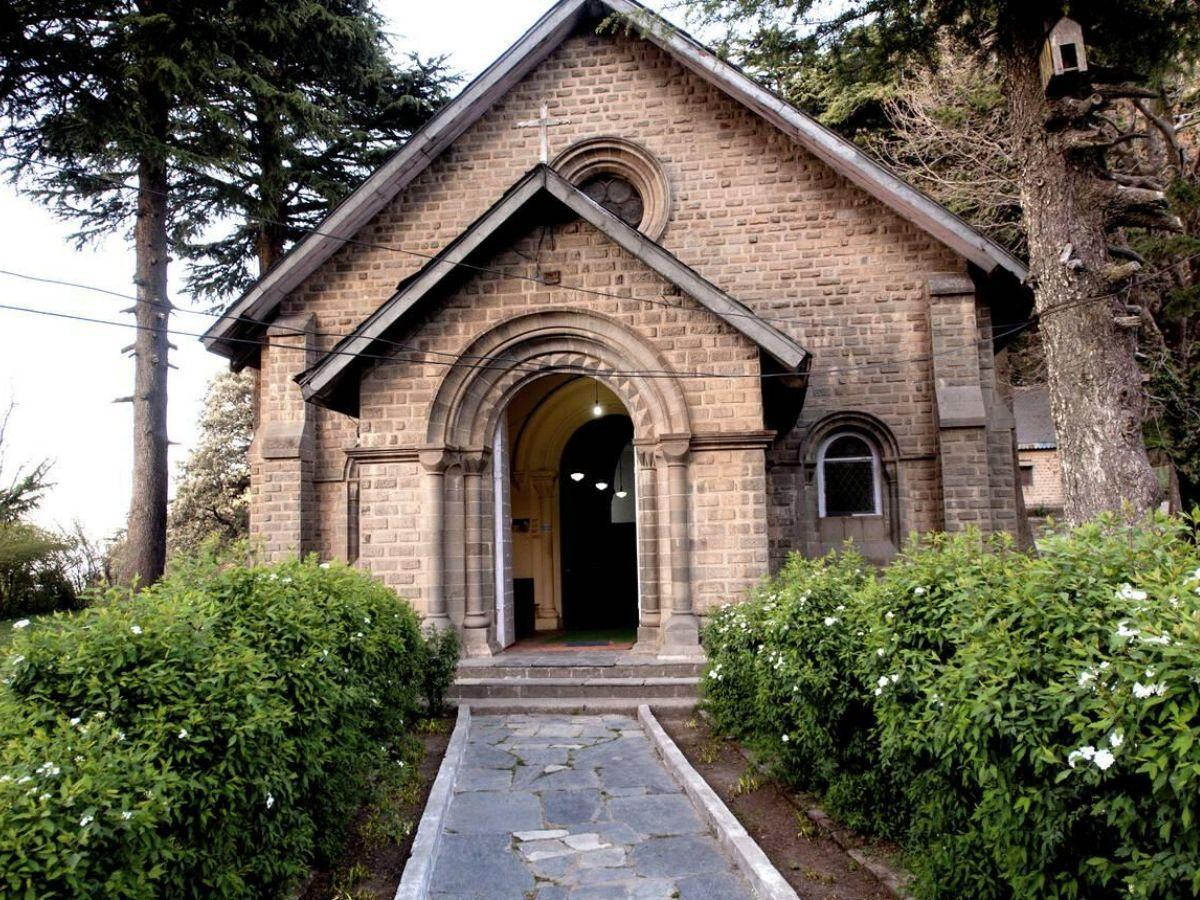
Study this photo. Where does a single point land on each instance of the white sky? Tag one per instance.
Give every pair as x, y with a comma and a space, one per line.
64, 375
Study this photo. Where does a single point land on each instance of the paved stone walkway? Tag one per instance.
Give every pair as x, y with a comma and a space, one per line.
555, 806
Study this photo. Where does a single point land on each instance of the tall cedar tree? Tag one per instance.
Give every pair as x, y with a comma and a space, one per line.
118, 112
101, 99
1072, 202
310, 104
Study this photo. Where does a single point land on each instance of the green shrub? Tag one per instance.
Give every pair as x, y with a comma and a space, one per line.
1026, 726
208, 737
442, 651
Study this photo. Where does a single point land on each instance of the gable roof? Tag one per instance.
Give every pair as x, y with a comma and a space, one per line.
321, 381
382, 186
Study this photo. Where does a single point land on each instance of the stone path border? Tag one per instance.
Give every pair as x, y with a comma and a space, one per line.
414, 884
747, 855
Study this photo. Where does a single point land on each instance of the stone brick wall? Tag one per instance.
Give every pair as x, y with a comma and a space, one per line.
1046, 492
751, 211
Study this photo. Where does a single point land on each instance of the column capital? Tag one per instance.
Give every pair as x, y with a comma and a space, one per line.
435, 460
543, 481
475, 461
674, 449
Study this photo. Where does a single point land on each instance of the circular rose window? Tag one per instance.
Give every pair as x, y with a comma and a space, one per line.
616, 195
623, 177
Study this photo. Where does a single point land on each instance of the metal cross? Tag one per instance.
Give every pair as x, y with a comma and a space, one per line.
545, 123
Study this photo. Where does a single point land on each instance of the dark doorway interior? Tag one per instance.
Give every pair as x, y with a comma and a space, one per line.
599, 535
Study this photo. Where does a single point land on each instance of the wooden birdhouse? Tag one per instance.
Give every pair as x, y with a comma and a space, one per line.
1064, 56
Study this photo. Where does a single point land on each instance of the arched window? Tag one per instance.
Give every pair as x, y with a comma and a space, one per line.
848, 477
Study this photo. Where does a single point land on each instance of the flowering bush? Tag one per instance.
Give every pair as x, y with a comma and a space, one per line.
208, 737
1026, 726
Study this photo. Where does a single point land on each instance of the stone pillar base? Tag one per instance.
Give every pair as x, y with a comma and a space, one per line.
647, 639
437, 623
681, 636
477, 642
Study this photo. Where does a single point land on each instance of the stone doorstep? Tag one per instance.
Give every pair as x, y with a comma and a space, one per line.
505, 706
467, 688
658, 670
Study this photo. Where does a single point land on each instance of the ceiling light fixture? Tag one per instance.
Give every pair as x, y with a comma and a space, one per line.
577, 476
601, 485
597, 410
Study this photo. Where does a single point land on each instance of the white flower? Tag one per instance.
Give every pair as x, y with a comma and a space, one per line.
785, 739
918, 591
367, 620
20, 623
1086, 677
880, 652
1128, 592
883, 681
323, 566
1087, 752
86, 821
17, 660
1103, 759
270, 800
895, 678
889, 615
400, 763
1123, 629
120, 735
830, 620
1116, 739
76, 720
49, 769
126, 815
1162, 640
878, 691
841, 607
183, 733
136, 629
1142, 691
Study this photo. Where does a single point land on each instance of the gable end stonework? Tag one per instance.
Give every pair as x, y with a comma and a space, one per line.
484, 306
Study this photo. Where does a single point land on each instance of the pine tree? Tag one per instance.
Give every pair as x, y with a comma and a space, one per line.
101, 101
311, 104
171, 115
1072, 200
212, 491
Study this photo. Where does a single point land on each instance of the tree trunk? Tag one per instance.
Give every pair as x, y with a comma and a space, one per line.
273, 180
146, 546
1096, 393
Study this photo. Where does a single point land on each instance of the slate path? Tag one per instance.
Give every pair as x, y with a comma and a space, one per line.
555, 806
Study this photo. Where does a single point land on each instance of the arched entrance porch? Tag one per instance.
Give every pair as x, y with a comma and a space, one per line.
573, 501
467, 547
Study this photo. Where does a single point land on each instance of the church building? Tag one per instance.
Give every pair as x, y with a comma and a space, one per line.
611, 336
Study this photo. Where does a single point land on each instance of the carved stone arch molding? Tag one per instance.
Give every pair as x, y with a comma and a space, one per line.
463, 419
610, 155
880, 437
473, 395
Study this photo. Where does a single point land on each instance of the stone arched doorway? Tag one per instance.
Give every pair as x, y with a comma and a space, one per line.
573, 502
468, 547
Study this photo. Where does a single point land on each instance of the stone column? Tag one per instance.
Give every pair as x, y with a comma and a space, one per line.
545, 484
283, 504
682, 632
477, 620
961, 412
649, 612
433, 510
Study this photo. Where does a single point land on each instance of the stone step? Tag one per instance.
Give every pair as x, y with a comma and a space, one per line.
617, 687
621, 670
506, 706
